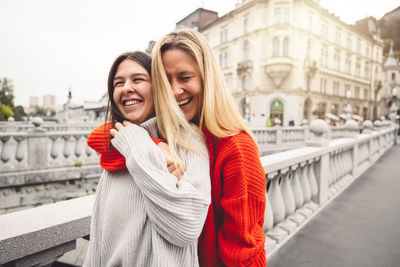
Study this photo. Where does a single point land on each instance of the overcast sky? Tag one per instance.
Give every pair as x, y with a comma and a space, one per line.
48, 46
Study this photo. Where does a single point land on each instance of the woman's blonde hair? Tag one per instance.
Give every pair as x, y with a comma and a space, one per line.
218, 114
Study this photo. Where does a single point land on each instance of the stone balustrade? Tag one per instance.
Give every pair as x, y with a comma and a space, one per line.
300, 182
41, 165
276, 139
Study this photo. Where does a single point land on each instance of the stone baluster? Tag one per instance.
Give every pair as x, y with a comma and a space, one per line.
275, 195
296, 187
268, 215
338, 163
312, 179
268, 225
6, 152
287, 193
55, 146
277, 205
288, 201
332, 165
68, 145
343, 161
79, 145
89, 151
304, 182
295, 217
20, 153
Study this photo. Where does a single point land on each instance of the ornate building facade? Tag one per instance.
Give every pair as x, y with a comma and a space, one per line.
293, 60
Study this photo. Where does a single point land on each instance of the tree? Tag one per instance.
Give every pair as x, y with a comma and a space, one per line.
7, 92
19, 113
5, 112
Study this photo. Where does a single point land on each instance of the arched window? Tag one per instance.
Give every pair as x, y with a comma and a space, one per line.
285, 47
245, 83
276, 112
276, 47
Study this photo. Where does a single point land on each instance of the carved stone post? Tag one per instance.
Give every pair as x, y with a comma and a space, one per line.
320, 128
367, 129
38, 156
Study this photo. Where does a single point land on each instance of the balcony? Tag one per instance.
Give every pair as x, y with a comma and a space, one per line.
278, 69
244, 66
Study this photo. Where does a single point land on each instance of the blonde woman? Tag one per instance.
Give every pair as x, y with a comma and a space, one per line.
184, 69
143, 215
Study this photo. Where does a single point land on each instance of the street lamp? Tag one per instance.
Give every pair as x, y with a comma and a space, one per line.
394, 106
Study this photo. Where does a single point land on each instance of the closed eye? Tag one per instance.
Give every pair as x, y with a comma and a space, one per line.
186, 78
118, 84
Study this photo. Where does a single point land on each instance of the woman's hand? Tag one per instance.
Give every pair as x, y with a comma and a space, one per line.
176, 167
118, 126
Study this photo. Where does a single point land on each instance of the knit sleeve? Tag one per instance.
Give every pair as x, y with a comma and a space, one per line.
177, 209
241, 238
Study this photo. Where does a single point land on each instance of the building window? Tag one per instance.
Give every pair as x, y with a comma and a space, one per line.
358, 46
285, 47
366, 94
281, 15
357, 92
245, 25
245, 83
277, 15
336, 88
347, 90
367, 51
348, 64
276, 47
223, 36
393, 76
324, 56
246, 52
366, 70
358, 68
309, 48
348, 43
337, 60
310, 23
285, 15
223, 59
338, 37
323, 83
324, 31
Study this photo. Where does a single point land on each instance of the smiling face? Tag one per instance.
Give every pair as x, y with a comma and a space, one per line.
133, 95
184, 76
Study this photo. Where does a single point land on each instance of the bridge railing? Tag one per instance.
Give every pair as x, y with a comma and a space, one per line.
42, 165
300, 183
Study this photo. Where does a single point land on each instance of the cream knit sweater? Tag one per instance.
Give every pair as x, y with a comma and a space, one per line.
144, 216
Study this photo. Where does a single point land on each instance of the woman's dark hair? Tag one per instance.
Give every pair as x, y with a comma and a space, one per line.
143, 59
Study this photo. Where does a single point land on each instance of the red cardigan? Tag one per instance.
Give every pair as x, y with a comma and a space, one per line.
233, 234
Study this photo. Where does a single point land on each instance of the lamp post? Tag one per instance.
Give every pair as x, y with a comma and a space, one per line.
394, 106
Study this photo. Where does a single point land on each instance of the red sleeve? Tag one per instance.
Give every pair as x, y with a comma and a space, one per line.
110, 158
241, 238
